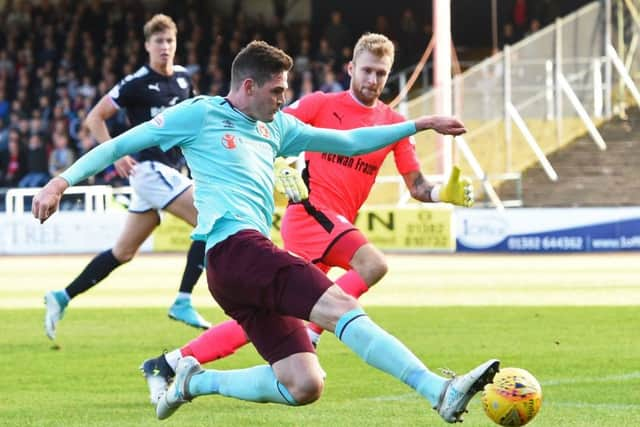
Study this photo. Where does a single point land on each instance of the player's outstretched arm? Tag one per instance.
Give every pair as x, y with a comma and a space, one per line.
362, 140
445, 125
289, 182
46, 201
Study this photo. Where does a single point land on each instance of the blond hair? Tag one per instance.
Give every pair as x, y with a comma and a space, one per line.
377, 44
157, 24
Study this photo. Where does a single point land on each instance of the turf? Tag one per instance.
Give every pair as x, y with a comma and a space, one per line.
586, 358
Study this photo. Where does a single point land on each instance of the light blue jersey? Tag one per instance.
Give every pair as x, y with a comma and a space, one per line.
231, 157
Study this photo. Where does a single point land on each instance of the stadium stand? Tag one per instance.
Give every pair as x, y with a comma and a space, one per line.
57, 58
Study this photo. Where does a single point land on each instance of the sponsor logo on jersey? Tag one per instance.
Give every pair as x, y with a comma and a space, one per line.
227, 124
155, 87
158, 120
182, 82
263, 130
229, 141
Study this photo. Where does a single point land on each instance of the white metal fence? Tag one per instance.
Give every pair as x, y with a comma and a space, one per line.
540, 93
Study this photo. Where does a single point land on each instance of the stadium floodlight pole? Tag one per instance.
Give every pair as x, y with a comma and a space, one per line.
442, 77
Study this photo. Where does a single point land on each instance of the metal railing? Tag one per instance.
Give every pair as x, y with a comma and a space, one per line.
539, 94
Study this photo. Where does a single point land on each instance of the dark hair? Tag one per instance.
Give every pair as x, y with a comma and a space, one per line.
258, 61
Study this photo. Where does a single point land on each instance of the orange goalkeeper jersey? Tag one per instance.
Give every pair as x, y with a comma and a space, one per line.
343, 183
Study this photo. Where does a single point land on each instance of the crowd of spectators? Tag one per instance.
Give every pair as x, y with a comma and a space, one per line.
58, 59
525, 17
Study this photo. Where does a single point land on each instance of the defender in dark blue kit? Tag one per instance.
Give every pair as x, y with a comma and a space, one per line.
153, 174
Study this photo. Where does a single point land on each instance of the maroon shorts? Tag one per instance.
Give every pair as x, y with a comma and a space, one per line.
322, 236
266, 290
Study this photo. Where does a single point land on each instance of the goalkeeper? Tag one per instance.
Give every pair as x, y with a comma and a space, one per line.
320, 228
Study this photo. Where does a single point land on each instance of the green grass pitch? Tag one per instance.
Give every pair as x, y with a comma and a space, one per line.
572, 321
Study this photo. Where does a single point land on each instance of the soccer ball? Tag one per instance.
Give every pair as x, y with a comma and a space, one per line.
514, 397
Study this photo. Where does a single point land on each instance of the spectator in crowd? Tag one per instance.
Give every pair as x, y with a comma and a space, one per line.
337, 33
408, 39
534, 25
37, 168
61, 157
508, 35
13, 168
520, 17
4, 135
5, 106
330, 84
12, 161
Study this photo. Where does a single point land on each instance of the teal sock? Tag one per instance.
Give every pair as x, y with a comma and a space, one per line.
257, 384
62, 297
383, 351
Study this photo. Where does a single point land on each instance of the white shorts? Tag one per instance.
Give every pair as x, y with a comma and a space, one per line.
155, 186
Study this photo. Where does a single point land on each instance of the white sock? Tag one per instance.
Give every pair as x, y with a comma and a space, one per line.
183, 296
172, 358
313, 336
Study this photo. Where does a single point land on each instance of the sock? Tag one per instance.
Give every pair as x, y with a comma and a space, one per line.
172, 358
353, 284
63, 293
385, 352
217, 342
194, 267
99, 268
183, 296
257, 384
314, 336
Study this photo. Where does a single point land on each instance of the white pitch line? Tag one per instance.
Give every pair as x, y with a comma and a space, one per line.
605, 406
591, 380
549, 383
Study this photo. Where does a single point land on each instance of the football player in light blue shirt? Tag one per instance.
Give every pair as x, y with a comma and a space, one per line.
230, 145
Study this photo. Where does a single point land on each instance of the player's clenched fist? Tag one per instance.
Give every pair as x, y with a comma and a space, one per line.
458, 191
289, 182
46, 201
445, 125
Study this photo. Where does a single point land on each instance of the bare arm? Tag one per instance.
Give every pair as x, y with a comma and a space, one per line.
97, 118
96, 121
418, 186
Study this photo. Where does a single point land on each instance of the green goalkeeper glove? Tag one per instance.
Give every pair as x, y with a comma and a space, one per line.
458, 191
289, 182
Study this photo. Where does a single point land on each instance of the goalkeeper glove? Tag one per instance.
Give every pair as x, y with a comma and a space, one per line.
289, 182
458, 191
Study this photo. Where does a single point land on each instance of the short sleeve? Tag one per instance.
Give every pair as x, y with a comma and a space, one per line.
123, 93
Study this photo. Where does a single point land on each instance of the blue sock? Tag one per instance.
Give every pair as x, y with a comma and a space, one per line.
257, 384
385, 352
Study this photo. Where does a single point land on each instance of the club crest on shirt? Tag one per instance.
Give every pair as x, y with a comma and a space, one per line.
263, 130
229, 141
182, 82
158, 120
